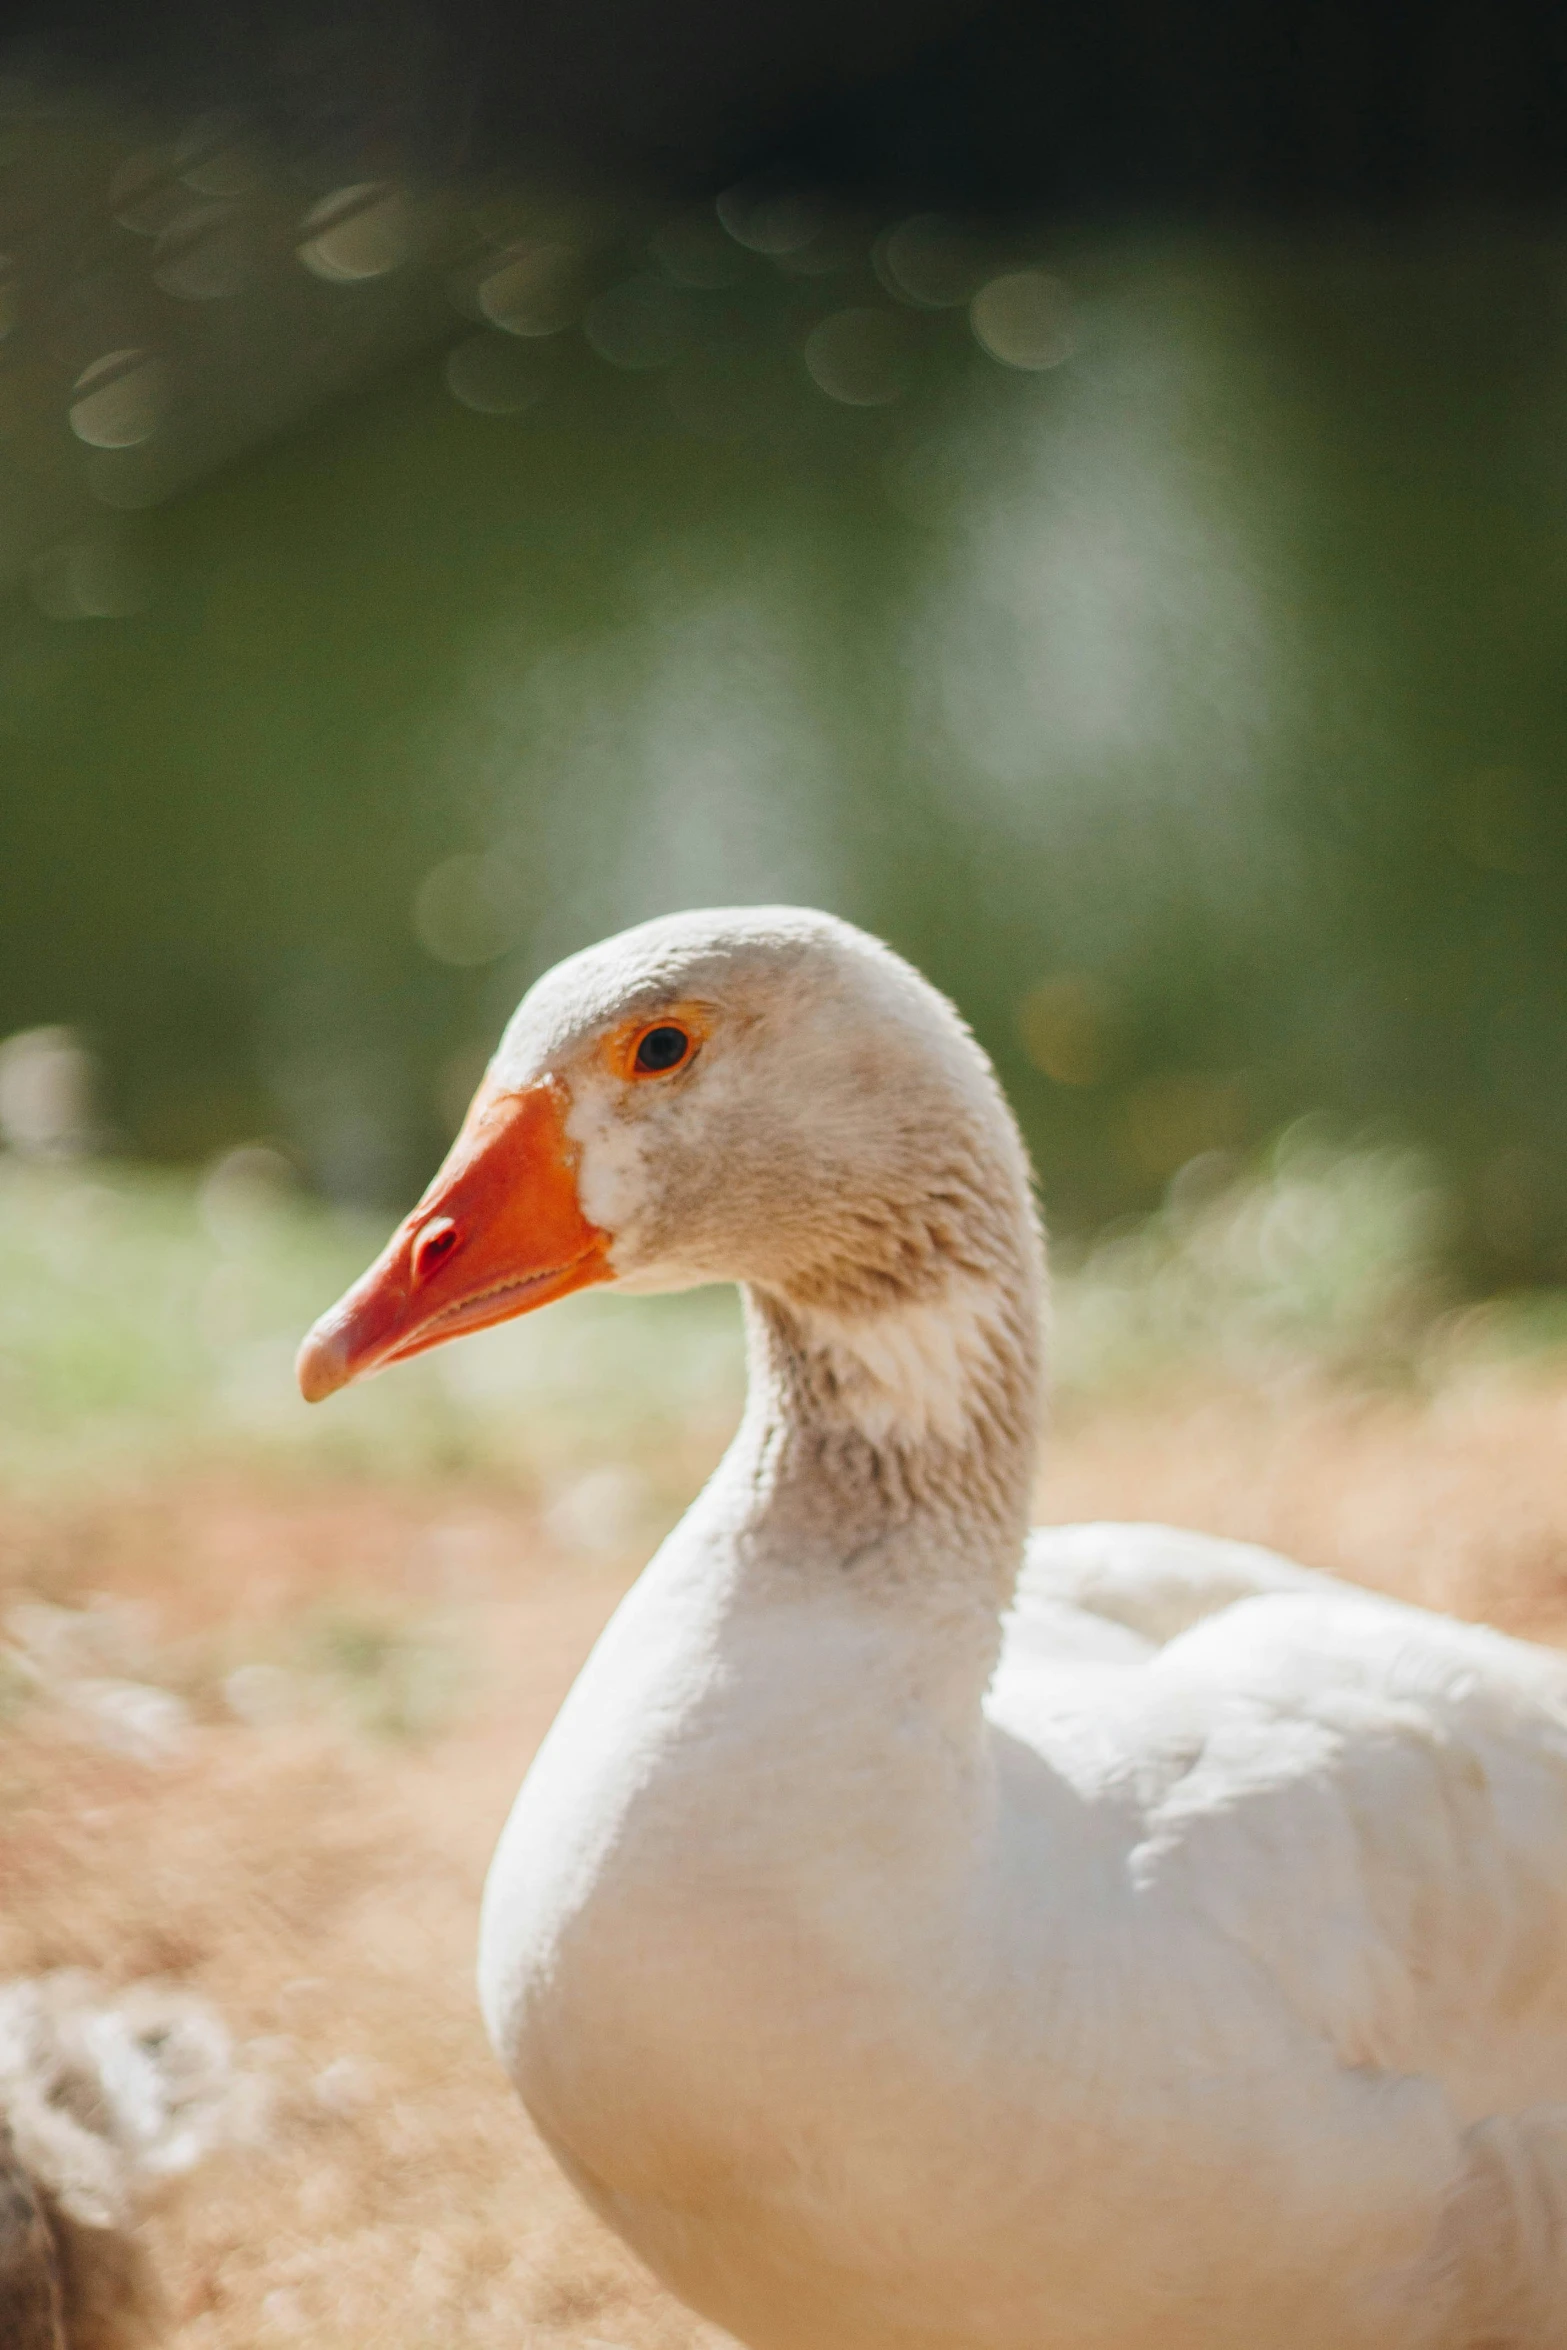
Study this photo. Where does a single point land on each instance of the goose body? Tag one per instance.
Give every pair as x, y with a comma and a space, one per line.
915, 1934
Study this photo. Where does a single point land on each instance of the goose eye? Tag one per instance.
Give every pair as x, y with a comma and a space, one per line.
661, 1049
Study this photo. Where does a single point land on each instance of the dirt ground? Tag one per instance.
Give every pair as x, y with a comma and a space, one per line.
317, 1876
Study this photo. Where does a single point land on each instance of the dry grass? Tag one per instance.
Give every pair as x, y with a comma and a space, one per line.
319, 1882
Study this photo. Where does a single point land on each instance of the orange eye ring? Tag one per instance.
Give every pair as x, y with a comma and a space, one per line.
645, 1050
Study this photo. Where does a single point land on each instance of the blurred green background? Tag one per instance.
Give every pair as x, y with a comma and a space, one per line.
1182, 689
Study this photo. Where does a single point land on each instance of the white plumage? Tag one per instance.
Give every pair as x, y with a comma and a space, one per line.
1186, 1968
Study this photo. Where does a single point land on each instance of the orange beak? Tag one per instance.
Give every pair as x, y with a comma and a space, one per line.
499, 1231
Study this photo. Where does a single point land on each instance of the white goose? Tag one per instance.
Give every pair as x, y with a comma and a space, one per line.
1178, 1960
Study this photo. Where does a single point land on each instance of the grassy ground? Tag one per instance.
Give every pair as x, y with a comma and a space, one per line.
362, 1620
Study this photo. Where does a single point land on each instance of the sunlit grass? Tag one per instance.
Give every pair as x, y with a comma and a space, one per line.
146, 1318
150, 1318
1311, 1257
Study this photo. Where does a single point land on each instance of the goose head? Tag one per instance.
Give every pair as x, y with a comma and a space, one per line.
761, 1095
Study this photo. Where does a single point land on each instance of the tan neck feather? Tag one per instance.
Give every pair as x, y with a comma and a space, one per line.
894, 1423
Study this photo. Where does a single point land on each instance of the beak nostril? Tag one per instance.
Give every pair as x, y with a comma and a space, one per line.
500, 1231
433, 1246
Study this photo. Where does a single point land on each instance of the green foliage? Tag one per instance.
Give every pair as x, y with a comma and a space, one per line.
1190, 710
146, 1318
1315, 1258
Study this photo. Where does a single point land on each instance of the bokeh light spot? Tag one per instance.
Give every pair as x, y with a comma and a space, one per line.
536, 292
769, 219
243, 1187
359, 232
118, 400
214, 157
640, 324
1067, 1025
1024, 319
859, 357
48, 1079
86, 579
930, 261
494, 376
145, 194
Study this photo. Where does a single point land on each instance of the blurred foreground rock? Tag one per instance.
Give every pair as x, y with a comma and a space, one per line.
106, 2101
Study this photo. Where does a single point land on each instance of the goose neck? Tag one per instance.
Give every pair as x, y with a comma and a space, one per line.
896, 1447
